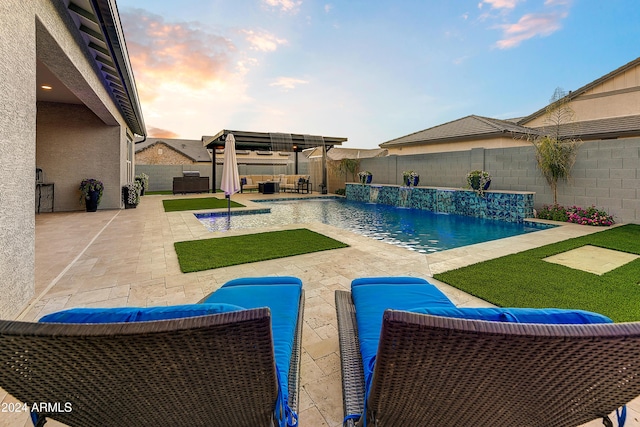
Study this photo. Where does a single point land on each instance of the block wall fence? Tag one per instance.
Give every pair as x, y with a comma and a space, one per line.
606, 174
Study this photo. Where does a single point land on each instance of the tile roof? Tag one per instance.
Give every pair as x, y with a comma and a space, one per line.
470, 127
601, 128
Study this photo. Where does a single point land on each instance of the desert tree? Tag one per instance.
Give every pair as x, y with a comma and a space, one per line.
556, 145
346, 166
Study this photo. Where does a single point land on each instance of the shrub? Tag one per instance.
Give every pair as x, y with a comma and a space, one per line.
88, 185
576, 215
553, 213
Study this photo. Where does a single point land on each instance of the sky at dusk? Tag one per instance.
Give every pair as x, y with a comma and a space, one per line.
367, 70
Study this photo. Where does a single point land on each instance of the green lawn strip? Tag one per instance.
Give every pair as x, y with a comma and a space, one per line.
151, 193
198, 255
173, 205
525, 280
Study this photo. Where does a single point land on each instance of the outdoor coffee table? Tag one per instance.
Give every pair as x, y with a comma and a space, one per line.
268, 187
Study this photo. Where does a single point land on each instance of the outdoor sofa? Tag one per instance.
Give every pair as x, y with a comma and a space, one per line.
231, 360
410, 357
287, 182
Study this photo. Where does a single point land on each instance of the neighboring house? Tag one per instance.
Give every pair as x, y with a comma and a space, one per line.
607, 108
163, 151
461, 134
69, 106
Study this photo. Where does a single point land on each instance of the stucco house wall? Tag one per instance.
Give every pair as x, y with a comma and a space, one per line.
73, 144
617, 96
68, 141
17, 153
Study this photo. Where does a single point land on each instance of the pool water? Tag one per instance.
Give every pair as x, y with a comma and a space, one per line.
414, 229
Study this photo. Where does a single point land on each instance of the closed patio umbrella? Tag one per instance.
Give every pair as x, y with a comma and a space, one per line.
230, 178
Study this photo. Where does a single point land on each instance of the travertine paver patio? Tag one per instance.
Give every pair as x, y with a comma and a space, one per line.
127, 258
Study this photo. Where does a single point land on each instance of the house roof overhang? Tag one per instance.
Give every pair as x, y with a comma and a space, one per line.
98, 23
267, 141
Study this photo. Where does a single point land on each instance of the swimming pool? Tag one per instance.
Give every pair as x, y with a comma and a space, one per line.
414, 229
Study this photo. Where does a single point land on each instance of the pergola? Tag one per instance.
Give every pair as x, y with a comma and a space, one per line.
270, 141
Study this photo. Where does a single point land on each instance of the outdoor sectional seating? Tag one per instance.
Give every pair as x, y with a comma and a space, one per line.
410, 357
231, 360
287, 182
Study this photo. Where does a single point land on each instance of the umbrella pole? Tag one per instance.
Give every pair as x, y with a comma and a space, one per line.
228, 205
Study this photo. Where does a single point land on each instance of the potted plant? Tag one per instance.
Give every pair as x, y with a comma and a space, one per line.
143, 178
91, 193
365, 177
479, 181
410, 177
131, 194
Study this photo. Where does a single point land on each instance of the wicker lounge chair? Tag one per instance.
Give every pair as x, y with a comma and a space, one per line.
209, 370
444, 371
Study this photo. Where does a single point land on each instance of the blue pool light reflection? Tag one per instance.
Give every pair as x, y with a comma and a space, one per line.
413, 229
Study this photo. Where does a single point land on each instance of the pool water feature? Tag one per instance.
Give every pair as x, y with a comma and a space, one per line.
414, 229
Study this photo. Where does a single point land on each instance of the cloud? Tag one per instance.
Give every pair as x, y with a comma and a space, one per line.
328, 7
288, 83
263, 41
190, 78
177, 53
499, 4
154, 132
289, 6
529, 26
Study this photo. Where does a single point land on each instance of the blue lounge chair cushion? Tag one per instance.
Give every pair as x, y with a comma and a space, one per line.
373, 295
282, 296
518, 315
136, 314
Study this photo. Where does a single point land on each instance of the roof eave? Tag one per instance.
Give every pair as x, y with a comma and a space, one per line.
107, 14
463, 138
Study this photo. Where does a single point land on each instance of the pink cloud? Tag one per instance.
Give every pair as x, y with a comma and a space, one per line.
154, 132
288, 83
284, 5
182, 52
529, 26
499, 4
263, 41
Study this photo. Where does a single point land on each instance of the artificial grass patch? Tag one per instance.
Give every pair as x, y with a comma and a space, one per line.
173, 205
151, 193
525, 280
198, 255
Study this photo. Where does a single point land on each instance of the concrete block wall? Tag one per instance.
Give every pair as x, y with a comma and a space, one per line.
438, 169
606, 174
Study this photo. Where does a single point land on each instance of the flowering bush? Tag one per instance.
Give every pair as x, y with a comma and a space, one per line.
144, 180
132, 192
479, 181
89, 185
409, 174
553, 213
363, 176
576, 215
589, 216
